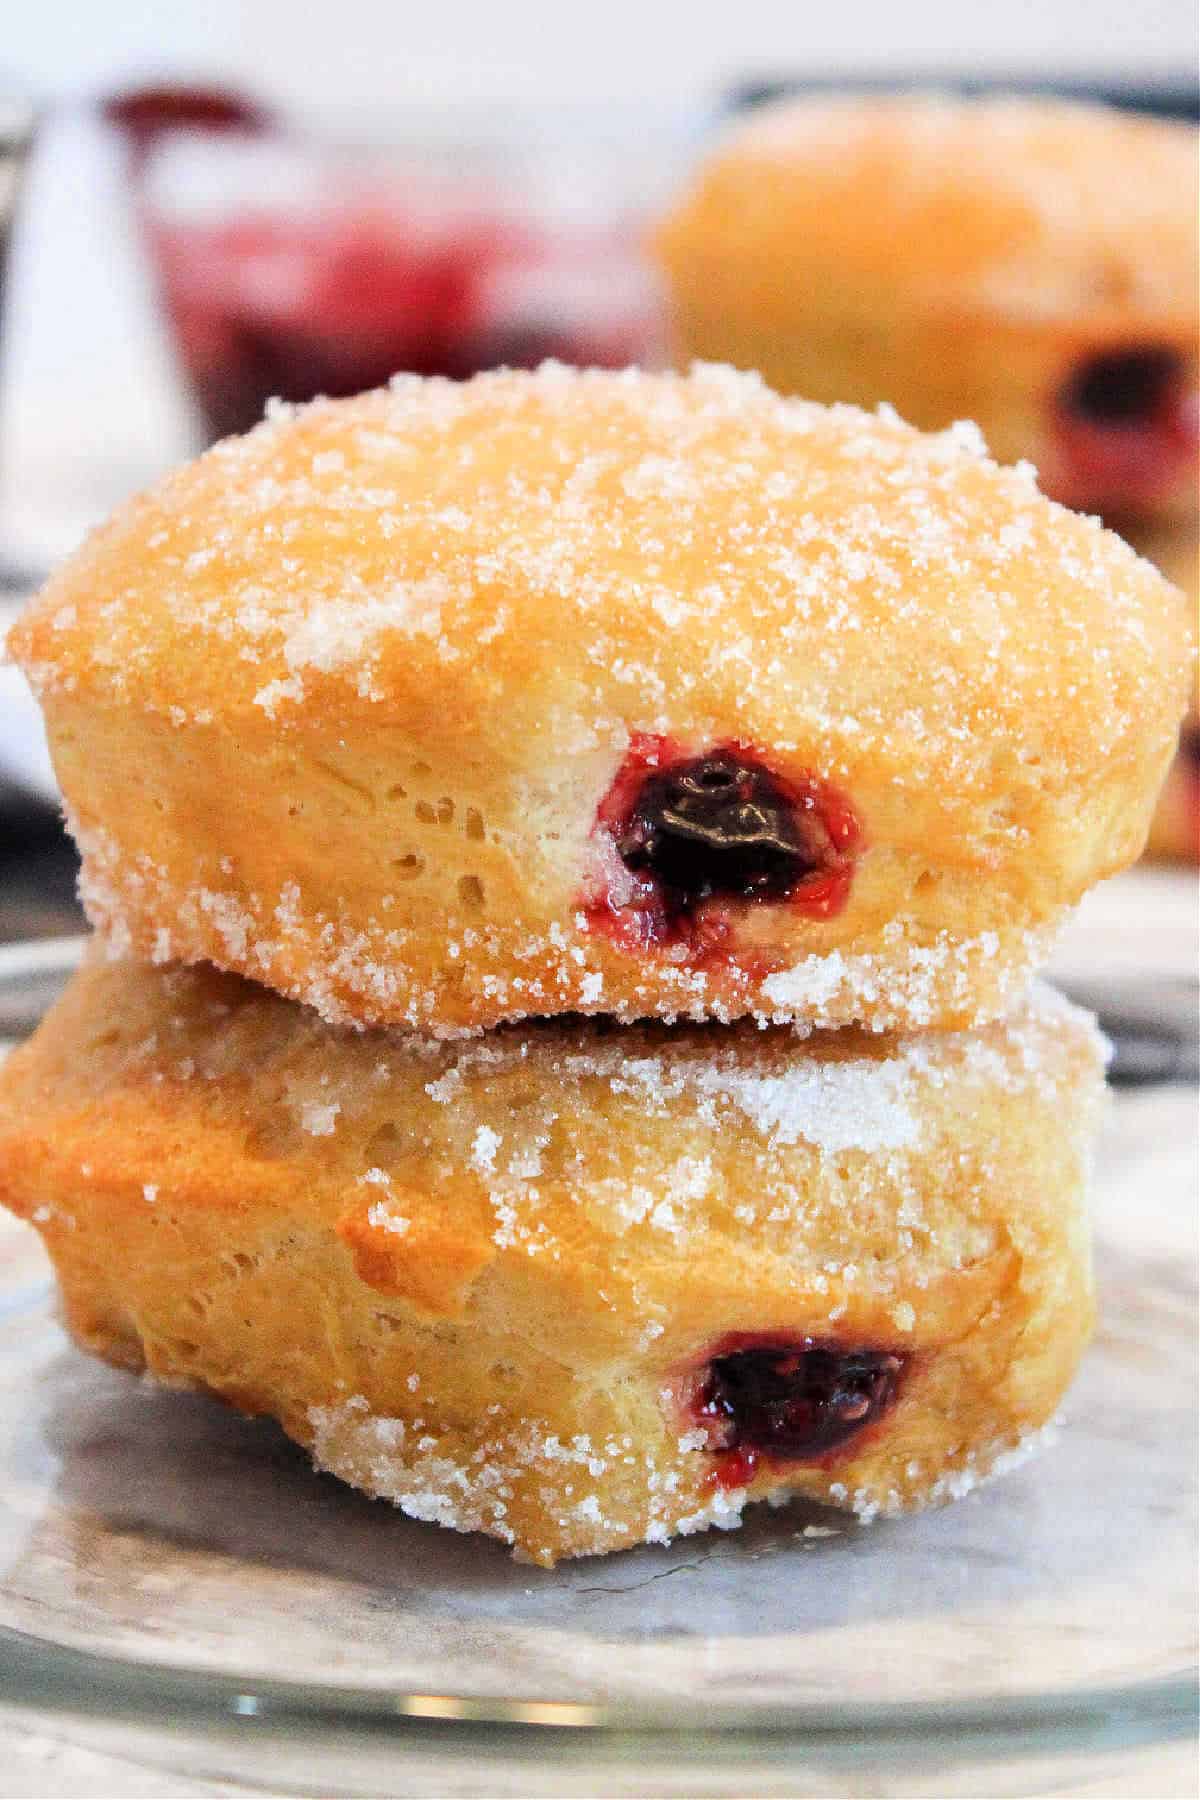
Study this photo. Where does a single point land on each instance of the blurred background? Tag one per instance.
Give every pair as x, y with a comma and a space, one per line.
212, 204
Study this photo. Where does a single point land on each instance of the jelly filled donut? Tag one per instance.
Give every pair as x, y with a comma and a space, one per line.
1029, 264
574, 1285
624, 694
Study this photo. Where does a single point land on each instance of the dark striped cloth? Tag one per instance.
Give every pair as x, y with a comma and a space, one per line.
38, 867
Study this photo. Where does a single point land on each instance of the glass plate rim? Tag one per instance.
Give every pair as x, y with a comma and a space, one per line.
66, 1679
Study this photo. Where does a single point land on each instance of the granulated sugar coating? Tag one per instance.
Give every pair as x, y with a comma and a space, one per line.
390, 671
491, 1280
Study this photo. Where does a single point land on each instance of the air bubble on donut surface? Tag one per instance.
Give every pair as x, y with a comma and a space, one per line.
470, 893
408, 867
475, 826
381, 1147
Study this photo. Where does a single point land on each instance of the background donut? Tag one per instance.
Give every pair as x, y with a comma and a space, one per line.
1030, 264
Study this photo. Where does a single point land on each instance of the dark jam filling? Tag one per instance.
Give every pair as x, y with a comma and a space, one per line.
717, 825
1189, 748
791, 1402
1125, 428
1124, 387
702, 833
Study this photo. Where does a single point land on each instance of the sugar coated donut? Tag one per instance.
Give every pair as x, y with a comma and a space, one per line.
1027, 263
574, 1285
624, 694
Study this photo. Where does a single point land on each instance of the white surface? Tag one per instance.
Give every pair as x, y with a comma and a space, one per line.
24, 758
375, 50
1141, 925
90, 407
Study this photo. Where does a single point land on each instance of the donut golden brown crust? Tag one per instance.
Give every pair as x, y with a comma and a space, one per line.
507, 1283
998, 260
364, 706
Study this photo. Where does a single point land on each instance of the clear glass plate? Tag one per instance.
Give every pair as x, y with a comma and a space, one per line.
160, 1555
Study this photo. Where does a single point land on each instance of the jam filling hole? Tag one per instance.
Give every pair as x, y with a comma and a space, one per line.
790, 1402
1123, 388
1125, 428
698, 833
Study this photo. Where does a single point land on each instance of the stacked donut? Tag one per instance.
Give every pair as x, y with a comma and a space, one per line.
568, 853
1027, 263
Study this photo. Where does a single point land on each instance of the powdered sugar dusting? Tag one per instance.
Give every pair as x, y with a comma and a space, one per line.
319, 1118
846, 987
343, 632
381, 1215
837, 1106
484, 1148
436, 1478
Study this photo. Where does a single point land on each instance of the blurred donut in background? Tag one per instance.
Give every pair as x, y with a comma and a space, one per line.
1030, 264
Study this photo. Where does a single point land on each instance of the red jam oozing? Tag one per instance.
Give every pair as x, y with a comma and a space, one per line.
275, 306
700, 836
268, 307
789, 1400
430, 271
1125, 430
